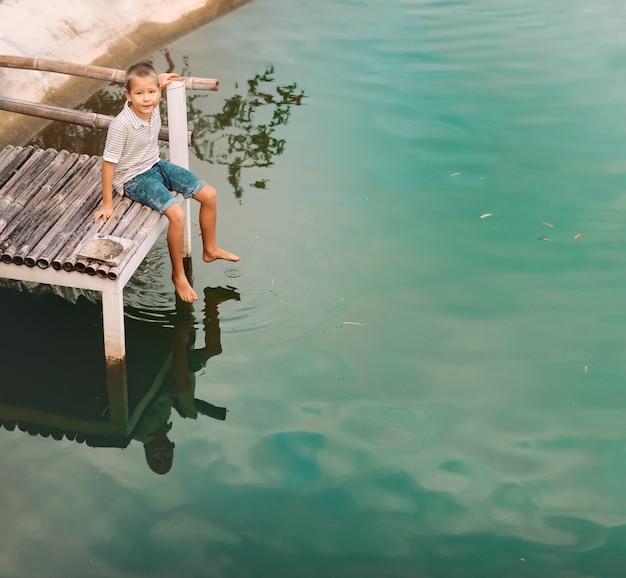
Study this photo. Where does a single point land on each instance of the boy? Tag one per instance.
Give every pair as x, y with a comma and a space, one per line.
131, 165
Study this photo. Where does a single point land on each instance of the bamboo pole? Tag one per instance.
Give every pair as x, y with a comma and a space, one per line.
151, 220
97, 268
90, 71
68, 115
28, 185
66, 216
124, 204
66, 258
6, 155
11, 188
63, 194
25, 182
11, 180
130, 232
12, 162
7, 151
11, 159
63, 237
24, 222
124, 228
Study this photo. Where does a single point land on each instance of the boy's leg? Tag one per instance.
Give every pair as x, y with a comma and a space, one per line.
175, 240
207, 197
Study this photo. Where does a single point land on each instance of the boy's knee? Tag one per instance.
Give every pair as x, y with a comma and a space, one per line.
175, 214
207, 194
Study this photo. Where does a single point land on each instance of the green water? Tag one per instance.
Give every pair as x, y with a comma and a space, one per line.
412, 390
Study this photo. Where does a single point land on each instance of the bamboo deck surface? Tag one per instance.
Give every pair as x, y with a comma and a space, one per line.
47, 202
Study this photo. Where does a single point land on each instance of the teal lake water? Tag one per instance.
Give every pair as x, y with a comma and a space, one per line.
421, 351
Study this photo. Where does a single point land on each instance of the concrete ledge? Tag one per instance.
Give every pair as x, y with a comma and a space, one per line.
115, 34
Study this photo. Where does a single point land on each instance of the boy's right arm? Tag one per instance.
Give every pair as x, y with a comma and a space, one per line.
106, 209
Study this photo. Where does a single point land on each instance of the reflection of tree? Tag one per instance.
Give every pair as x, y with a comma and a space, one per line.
241, 135
235, 136
62, 136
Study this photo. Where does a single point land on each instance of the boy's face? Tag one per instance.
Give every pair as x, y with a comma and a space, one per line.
144, 96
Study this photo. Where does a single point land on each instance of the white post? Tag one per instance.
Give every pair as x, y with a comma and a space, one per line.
115, 356
113, 325
179, 152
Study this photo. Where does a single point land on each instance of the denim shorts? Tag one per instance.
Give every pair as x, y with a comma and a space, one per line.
153, 187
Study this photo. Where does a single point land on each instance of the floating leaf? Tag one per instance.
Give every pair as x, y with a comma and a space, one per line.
577, 236
543, 239
485, 215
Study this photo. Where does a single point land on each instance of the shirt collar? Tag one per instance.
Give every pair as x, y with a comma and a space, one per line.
133, 118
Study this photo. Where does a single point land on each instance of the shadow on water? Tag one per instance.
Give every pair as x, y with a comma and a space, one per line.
54, 381
242, 135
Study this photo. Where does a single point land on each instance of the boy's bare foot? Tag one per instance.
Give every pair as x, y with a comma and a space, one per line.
209, 256
184, 289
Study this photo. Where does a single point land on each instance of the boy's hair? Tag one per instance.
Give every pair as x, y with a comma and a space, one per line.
140, 70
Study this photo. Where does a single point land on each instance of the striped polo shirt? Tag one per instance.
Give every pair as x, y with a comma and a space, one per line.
132, 145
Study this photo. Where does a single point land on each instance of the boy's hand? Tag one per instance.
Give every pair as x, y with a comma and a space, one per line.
105, 211
166, 77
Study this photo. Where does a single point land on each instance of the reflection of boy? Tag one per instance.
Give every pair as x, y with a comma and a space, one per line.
152, 433
131, 165
187, 361
180, 383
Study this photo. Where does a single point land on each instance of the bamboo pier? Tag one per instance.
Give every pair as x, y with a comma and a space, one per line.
48, 198
47, 202
43, 225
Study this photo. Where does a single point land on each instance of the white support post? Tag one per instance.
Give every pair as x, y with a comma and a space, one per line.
115, 356
113, 325
179, 151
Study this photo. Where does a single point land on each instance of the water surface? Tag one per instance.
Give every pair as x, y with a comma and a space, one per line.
412, 390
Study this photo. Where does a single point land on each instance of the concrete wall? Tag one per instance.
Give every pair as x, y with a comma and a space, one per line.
112, 33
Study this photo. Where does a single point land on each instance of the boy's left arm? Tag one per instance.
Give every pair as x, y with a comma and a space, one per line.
106, 210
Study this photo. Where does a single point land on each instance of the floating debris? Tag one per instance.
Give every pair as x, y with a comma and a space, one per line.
455, 174
585, 369
577, 236
344, 323
485, 215
547, 224
544, 239
277, 296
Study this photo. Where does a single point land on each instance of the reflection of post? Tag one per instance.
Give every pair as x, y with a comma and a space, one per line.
179, 153
117, 390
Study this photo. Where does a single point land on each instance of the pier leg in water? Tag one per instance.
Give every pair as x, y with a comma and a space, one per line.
113, 324
117, 389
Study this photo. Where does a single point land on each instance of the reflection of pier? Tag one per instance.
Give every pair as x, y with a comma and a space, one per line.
54, 376
64, 392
